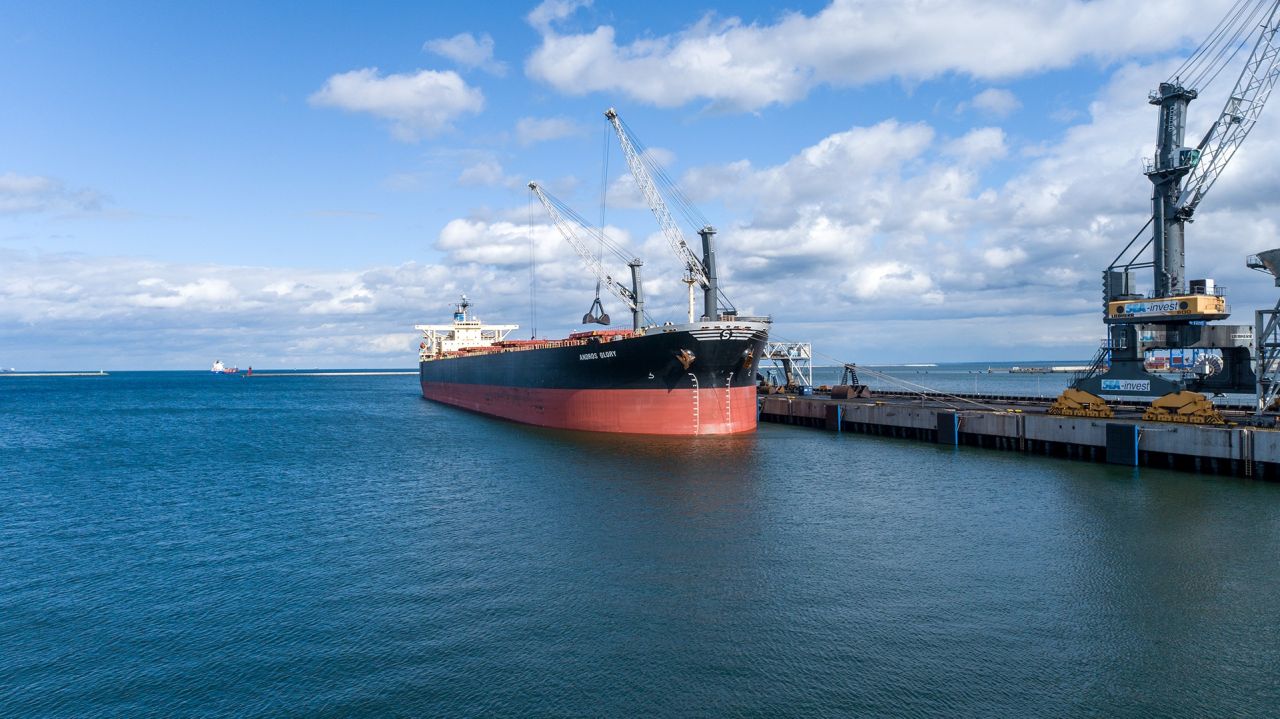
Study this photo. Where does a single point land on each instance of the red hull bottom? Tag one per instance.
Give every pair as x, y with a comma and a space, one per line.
631, 411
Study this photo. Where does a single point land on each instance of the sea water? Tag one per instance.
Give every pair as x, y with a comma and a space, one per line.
179, 544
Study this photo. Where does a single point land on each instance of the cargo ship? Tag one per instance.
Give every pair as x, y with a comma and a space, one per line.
692, 378
219, 368
687, 379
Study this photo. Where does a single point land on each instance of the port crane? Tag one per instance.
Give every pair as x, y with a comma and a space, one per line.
1177, 314
632, 297
700, 270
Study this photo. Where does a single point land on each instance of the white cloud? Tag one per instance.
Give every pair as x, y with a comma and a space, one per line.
468, 51
993, 101
504, 243
486, 173
747, 66
979, 146
891, 224
133, 313
877, 222
396, 345
418, 104
1002, 257
659, 156
853, 169
204, 292
890, 221
894, 281
21, 194
883, 236
530, 130
128, 312
14, 185
549, 11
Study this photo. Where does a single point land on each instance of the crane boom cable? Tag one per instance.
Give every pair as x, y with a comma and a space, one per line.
1227, 33
616, 250
727, 303
1204, 83
1240, 38
1239, 115
691, 213
558, 211
670, 189
533, 296
604, 186
644, 179
1197, 56
1116, 261
1206, 54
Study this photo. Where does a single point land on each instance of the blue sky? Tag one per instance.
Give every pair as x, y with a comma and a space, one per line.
298, 184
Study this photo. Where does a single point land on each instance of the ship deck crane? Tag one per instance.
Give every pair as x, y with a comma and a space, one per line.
632, 297
701, 271
1175, 315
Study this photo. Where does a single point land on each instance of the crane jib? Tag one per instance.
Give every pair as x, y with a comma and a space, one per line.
632, 297
1239, 115
701, 269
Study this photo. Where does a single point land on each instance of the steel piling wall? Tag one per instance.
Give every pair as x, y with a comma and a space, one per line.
1232, 450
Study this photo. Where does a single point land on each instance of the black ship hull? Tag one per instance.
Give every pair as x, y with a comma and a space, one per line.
677, 380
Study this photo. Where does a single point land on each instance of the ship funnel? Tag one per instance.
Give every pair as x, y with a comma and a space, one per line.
1268, 261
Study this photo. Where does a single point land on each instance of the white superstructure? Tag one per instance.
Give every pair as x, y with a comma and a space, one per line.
466, 331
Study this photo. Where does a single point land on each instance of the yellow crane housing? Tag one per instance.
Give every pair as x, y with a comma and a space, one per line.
1181, 307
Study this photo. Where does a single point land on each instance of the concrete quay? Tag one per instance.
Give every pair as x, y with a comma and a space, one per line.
1024, 425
